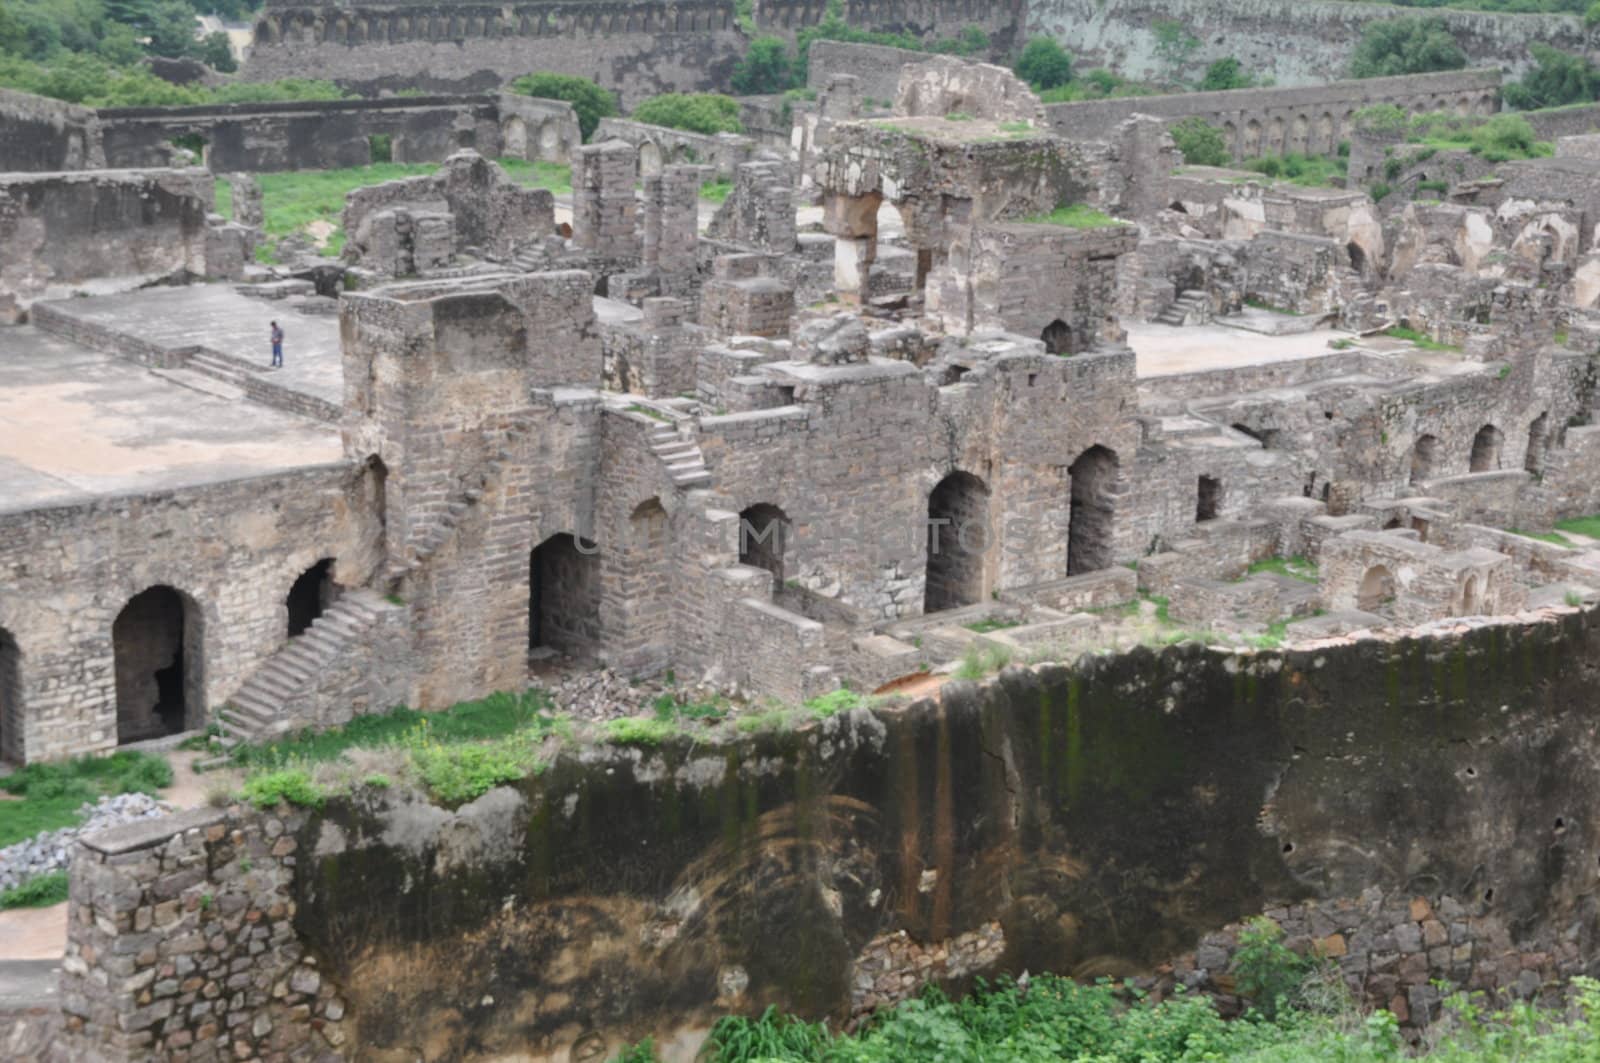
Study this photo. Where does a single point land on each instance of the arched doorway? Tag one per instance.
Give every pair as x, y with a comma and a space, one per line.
1057, 337
514, 138
1472, 603
312, 593
1377, 589
157, 643
1538, 440
563, 594
763, 538
1093, 515
1208, 501
958, 542
1358, 257
1486, 449
11, 748
1423, 455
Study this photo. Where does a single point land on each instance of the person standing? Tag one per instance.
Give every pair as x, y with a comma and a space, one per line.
277, 346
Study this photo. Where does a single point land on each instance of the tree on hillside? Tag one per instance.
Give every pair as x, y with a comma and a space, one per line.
1556, 78
1225, 74
1044, 64
590, 101
696, 112
1409, 45
765, 68
1200, 142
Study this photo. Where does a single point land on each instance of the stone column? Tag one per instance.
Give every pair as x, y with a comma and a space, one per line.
603, 208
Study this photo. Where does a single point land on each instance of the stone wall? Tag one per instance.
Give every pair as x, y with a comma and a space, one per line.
1273, 121
1297, 42
659, 146
63, 230
638, 50
624, 892
231, 566
876, 67
305, 135
41, 134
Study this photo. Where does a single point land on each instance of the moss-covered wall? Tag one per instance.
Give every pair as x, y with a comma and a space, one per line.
1106, 815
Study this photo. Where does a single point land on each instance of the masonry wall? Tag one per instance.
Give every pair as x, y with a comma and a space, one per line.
1107, 816
304, 135
876, 67
233, 550
1309, 120
41, 134
1297, 42
62, 229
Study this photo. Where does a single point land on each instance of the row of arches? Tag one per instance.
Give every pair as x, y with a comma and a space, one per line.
1485, 455
1314, 133
158, 659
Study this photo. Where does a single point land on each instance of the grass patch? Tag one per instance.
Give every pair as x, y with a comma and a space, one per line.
456, 773
983, 627
286, 786
979, 661
639, 731
1427, 343
715, 191
51, 794
1589, 526
1296, 567
294, 200
552, 175
1544, 537
648, 412
224, 198
41, 891
834, 702
1262, 304
1075, 216
677, 707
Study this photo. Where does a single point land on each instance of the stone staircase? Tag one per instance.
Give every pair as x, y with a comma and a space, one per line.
428, 542
258, 710
682, 456
529, 260
1190, 308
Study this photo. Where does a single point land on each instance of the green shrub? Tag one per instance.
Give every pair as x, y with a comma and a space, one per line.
1044, 64
41, 891
52, 793
1556, 79
765, 68
1505, 137
835, 702
1075, 216
1266, 972
1406, 45
1378, 190
464, 771
1200, 142
1225, 74
696, 112
639, 731
590, 101
291, 786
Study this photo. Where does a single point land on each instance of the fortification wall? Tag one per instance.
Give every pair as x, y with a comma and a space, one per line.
636, 49
875, 67
1105, 817
1297, 42
1277, 120
41, 134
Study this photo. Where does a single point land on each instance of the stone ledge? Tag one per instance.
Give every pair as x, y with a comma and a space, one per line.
150, 832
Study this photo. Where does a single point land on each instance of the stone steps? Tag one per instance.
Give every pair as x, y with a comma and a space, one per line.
685, 462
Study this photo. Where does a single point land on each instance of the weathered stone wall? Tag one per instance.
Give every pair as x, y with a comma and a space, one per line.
41, 134
1310, 120
659, 146
60, 230
1096, 819
1297, 42
876, 67
638, 50
231, 550
304, 135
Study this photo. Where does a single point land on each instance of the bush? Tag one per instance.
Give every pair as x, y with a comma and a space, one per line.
639, 731
464, 772
1505, 137
292, 786
696, 112
1556, 78
1200, 142
590, 101
765, 68
1408, 45
1225, 74
836, 701
41, 891
1267, 973
216, 53
1044, 64
52, 793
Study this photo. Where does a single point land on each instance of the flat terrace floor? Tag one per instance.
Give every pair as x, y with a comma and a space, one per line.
75, 424
1167, 350
230, 326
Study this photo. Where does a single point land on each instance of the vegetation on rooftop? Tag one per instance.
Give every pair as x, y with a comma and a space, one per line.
1075, 216
1411, 335
694, 112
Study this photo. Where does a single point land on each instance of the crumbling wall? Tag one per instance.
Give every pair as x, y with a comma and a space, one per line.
40, 134
624, 892
659, 146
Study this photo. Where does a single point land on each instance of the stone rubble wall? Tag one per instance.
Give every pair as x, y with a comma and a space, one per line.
39, 134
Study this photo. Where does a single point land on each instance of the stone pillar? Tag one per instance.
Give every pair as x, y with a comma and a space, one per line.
246, 199
853, 221
671, 219
603, 208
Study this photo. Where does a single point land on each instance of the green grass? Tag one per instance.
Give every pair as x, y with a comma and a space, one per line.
41, 891
554, 176
1308, 171
288, 786
1297, 567
639, 731
293, 200
495, 716
1261, 304
835, 702
51, 794
1546, 537
715, 191
1589, 526
983, 627
648, 412
463, 771
224, 198
1413, 336
1075, 216
978, 662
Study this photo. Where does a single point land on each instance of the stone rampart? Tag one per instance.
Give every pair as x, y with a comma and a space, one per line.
41, 134
629, 891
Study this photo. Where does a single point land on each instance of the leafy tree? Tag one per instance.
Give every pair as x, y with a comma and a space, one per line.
120, 45
1556, 78
1225, 74
1200, 142
1175, 45
1592, 16
216, 53
696, 112
13, 36
172, 29
1507, 136
1044, 64
1408, 45
765, 68
589, 100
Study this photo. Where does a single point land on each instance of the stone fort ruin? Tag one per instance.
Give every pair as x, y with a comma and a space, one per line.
976, 379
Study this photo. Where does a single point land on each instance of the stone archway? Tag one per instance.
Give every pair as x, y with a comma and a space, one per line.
1092, 522
157, 645
1538, 443
1377, 589
11, 745
564, 595
514, 138
1486, 446
1424, 453
313, 591
958, 542
1057, 337
764, 538
1208, 499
